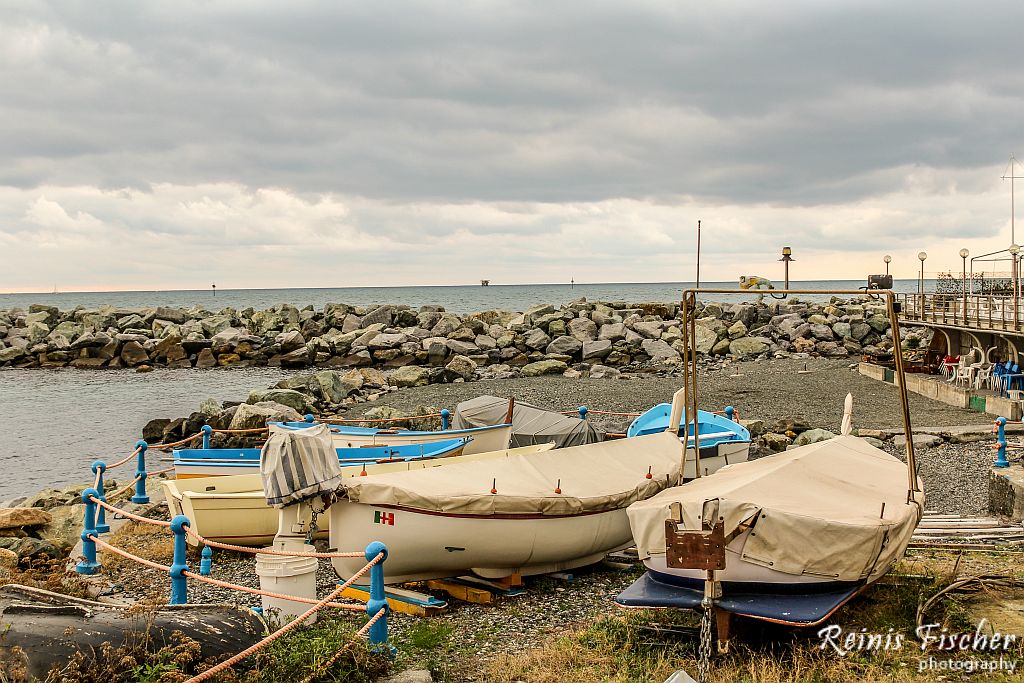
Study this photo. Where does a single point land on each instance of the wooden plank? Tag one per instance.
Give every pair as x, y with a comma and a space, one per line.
396, 602
461, 591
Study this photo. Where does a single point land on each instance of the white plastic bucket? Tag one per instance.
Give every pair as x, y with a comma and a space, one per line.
289, 576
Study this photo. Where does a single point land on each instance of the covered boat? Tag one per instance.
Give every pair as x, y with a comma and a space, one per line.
823, 520
233, 509
213, 462
485, 439
549, 512
787, 539
530, 424
723, 441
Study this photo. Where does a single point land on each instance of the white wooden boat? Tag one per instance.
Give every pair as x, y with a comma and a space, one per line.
843, 498
787, 539
233, 509
484, 439
550, 512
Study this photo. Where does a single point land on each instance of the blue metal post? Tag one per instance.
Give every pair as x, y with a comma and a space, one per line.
583, 412
377, 601
730, 413
88, 565
179, 585
308, 417
140, 472
206, 564
99, 467
207, 431
445, 418
1001, 460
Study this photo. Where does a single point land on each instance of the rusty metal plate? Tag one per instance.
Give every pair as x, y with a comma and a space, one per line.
703, 550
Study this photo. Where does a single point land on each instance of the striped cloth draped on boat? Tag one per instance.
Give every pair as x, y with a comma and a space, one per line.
297, 464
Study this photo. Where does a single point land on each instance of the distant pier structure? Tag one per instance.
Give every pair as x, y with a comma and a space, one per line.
485, 283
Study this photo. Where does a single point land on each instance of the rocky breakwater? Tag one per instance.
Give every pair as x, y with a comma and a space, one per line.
430, 344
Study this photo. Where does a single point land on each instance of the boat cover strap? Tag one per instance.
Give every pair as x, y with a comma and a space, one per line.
297, 464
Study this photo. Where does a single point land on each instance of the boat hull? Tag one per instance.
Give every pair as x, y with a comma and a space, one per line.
433, 545
484, 439
233, 509
716, 457
248, 460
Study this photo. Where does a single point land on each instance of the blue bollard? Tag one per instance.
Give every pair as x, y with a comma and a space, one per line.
207, 431
89, 565
1001, 460
583, 412
140, 472
99, 467
179, 585
377, 601
206, 564
445, 419
308, 417
730, 413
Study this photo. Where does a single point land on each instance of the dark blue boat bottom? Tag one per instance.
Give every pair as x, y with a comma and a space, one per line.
787, 604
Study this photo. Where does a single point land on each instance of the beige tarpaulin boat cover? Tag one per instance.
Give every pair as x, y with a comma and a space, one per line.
530, 424
817, 509
592, 478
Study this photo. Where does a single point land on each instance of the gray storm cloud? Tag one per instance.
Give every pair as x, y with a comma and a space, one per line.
530, 137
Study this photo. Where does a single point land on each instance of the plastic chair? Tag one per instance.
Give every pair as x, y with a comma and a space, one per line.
983, 379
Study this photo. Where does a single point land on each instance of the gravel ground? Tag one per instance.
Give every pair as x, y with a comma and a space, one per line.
767, 390
955, 476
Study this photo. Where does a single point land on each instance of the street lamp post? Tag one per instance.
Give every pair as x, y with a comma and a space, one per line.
888, 260
1014, 250
964, 254
787, 256
921, 255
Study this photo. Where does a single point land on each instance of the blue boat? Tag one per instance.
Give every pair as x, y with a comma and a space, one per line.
723, 440
484, 439
213, 462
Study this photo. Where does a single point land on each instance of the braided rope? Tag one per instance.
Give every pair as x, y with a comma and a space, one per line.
175, 444
126, 459
255, 430
124, 553
361, 633
265, 551
128, 515
599, 412
228, 663
270, 594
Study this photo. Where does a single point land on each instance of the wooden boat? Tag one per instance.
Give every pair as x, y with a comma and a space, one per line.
787, 539
484, 439
530, 424
213, 462
723, 441
819, 521
233, 509
558, 510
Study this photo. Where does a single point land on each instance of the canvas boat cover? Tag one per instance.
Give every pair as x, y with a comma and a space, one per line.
296, 464
817, 509
592, 478
530, 424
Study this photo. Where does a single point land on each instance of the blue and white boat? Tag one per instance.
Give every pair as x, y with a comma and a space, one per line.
484, 439
723, 440
216, 462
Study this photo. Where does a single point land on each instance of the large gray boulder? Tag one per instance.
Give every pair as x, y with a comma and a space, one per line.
544, 367
536, 339
612, 332
659, 351
410, 376
254, 416
295, 400
461, 366
596, 349
566, 346
747, 346
648, 330
583, 329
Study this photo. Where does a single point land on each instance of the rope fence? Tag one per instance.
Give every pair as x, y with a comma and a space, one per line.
375, 553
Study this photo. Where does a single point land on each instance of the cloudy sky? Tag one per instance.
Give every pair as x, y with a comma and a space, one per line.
271, 144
